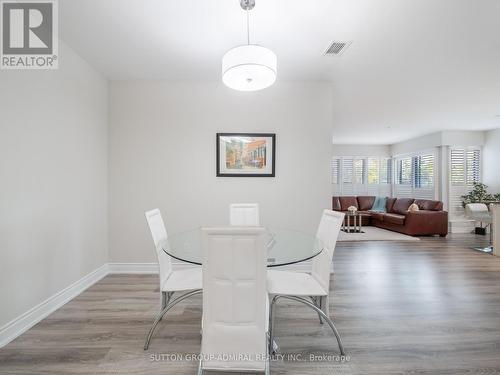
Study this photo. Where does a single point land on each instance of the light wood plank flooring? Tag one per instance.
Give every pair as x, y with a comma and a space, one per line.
427, 307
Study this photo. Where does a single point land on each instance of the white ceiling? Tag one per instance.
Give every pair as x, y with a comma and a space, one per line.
414, 66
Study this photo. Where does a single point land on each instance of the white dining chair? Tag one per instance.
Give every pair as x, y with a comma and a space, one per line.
311, 289
244, 214
479, 212
235, 316
187, 280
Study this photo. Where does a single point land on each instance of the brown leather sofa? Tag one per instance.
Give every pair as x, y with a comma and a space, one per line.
429, 220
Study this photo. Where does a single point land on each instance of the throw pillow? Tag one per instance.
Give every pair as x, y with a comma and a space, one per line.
379, 205
413, 207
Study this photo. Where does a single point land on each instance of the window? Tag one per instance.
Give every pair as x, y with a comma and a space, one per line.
361, 175
404, 171
472, 166
457, 167
415, 176
465, 169
373, 170
347, 170
465, 166
385, 170
335, 170
359, 171
423, 167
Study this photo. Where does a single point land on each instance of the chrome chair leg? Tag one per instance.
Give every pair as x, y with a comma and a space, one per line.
318, 301
320, 306
200, 370
164, 311
267, 369
312, 306
165, 299
271, 325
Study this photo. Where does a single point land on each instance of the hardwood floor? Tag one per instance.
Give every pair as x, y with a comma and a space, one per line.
425, 307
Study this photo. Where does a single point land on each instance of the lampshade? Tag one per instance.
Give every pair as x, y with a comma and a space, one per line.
249, 68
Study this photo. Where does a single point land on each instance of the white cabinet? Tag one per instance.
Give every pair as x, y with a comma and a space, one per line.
495, 210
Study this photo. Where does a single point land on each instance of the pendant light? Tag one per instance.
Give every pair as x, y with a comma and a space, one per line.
249, 67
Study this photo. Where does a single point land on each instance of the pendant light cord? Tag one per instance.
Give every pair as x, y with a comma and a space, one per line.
248, 28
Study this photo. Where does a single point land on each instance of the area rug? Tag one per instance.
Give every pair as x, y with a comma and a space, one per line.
375, 234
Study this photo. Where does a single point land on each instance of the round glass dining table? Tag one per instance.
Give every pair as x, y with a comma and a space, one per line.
283, 246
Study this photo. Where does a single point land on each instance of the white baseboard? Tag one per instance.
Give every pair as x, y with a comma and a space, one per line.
22, 323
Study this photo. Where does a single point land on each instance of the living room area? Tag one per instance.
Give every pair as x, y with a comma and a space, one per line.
424, 186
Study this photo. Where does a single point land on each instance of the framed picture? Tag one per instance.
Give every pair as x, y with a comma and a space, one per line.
246, 154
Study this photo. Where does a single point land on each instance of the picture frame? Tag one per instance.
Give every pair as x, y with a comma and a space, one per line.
246, 154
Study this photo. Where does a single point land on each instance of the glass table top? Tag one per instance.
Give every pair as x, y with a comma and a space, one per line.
284, 246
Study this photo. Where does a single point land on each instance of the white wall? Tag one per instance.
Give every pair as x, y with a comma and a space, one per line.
361, 150
162, 154
438, 139
491, 161
425, 142
464, 138
53, 173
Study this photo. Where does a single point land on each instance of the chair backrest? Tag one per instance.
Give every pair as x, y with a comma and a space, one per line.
473, 208
234, 299
478, 212
244, 214
159, 234
328, 232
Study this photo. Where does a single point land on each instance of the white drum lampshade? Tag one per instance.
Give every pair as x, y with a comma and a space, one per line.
249, 68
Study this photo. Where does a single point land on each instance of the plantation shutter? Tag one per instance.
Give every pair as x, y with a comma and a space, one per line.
335, 170
361, 175
473, 167
457, 167
359, 171
385, 179
405, 171
403, 185
373, 176
423, 174
385, 171
347, 175
415, 176
373, 170
465, 169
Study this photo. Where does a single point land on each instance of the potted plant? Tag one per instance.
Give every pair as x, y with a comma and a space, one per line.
479, 194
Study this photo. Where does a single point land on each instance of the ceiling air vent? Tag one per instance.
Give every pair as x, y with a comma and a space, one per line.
337, 48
